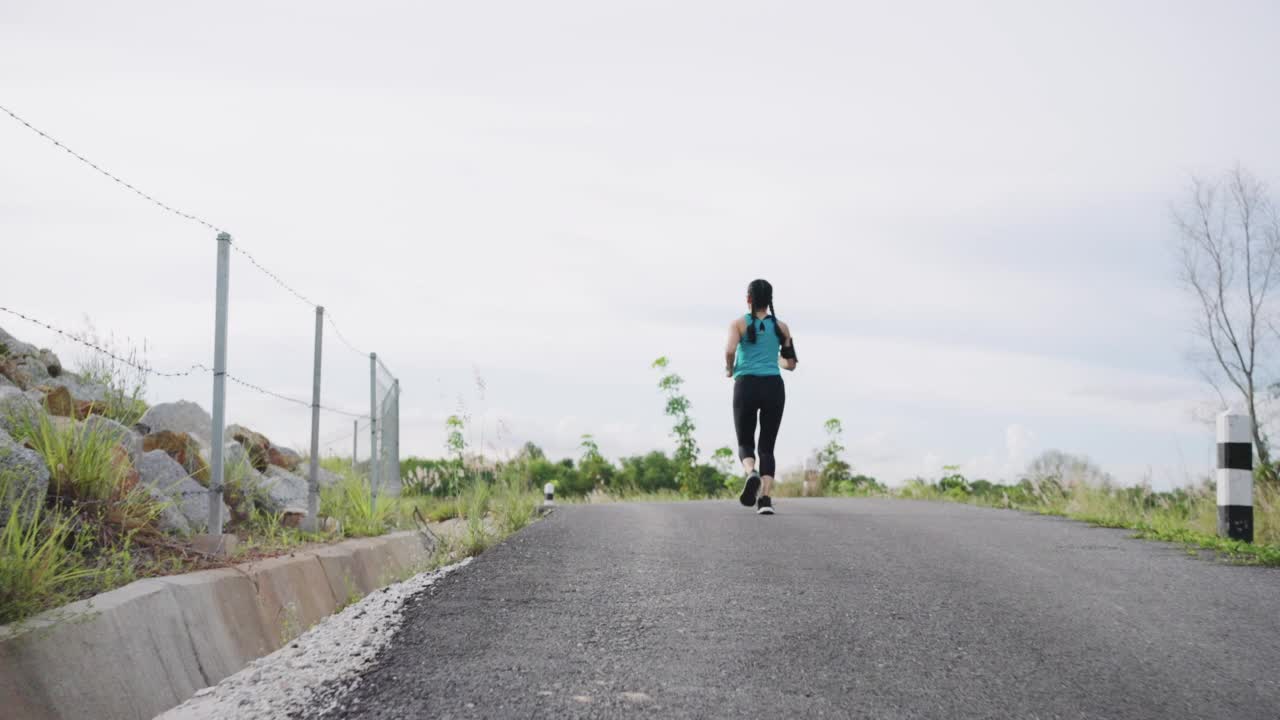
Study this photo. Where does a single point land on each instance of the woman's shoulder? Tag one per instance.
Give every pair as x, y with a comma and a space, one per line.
786, 329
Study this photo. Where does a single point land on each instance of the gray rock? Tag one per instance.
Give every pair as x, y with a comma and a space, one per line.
6, 382
168, 482
328, 479
236, 459
10, 345
285, 489
131, 441
170, 519
252, 485
24, 478
18, 408
181, 416
35, 370
80, 389
52, 365
290, 457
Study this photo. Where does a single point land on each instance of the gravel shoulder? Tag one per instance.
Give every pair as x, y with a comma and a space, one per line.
316, 668
833, 608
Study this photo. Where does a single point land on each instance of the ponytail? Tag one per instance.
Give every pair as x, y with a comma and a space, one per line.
760, 293
777, 329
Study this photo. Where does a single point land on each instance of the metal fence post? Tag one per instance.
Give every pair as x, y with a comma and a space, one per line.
311, 522
395, 434
355, 442
1235, 476
373, 430
217, 452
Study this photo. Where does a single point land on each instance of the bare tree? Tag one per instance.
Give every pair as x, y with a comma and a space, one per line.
1067, 470
1229, 248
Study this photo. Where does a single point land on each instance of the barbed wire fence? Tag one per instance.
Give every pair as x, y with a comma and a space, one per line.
382, 419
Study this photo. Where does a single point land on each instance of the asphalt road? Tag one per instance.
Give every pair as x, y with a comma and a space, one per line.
832, 608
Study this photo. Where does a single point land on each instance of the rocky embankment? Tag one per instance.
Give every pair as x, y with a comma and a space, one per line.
165, 452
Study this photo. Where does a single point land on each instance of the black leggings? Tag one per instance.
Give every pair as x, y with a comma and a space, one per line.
766, 395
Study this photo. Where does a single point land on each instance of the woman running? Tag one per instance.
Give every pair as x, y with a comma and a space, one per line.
759, 344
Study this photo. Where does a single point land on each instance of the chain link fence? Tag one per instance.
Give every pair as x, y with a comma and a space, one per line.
384, 465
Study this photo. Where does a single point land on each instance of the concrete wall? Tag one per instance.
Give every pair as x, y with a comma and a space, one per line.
137, 651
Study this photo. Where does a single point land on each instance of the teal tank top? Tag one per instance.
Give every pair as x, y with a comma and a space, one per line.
759, 357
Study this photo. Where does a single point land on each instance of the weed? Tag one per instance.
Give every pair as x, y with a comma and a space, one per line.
290, 624
125, 380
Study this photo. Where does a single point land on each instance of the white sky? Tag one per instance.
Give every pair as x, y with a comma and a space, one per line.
964, 210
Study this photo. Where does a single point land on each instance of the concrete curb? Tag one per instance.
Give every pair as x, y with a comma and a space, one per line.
137, 651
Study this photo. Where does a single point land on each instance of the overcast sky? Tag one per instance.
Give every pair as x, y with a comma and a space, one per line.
963, 208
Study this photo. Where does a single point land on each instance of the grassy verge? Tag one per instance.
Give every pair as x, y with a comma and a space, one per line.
1188, 517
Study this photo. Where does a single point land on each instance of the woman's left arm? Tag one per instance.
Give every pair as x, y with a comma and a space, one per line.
788, 360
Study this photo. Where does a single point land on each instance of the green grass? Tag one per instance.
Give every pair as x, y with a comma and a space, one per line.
39, 565
632, 495
436, 509
475, 507
514, 506
1187, 516
265, 533
351, 502
83, 464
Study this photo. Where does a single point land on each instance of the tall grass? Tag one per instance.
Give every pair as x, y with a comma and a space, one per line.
351, 503
514, 505
38, 561
125, 379
435, 509
475, 508
89, 476
83, 463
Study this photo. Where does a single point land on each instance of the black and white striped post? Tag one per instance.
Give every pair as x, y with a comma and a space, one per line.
550, 492
1235, 476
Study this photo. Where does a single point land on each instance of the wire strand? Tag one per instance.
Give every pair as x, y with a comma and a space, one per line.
93, 165
289, 289
182, 373
343, 338
235, 246
70, 336
158, 203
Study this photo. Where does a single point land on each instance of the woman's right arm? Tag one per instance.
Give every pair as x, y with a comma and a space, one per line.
731, 347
